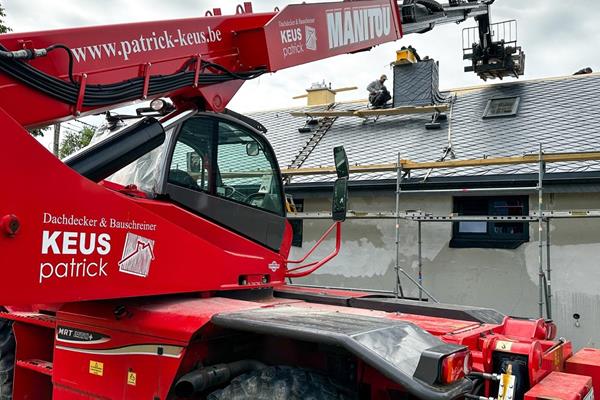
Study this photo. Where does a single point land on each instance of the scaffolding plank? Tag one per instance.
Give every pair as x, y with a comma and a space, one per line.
402, 110
427, 217
412, 165
319, 114
365, 113
331, 170
526, 159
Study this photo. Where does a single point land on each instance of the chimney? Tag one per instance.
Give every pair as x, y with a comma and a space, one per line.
321, 94
416, 80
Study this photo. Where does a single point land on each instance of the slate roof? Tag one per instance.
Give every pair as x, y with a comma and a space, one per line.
560, 113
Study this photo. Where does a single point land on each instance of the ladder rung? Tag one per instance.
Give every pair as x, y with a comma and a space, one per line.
41, 366
46, 321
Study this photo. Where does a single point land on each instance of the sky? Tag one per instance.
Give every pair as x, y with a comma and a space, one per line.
559, 37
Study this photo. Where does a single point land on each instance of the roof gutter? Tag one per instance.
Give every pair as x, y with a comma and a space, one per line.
517, 182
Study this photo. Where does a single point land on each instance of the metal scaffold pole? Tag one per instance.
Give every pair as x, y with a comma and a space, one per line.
398, 288
548, 273
540, 233
420, 259
399, 270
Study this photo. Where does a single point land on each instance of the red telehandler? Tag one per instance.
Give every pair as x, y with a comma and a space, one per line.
153, 264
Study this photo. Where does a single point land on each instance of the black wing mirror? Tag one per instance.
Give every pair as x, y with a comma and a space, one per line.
252, 149
339, 206
341, 162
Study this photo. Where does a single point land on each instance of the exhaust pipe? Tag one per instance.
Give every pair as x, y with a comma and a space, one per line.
201, 379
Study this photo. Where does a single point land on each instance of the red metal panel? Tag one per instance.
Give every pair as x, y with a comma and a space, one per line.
126, 367
561, 386
537, 329
174, 319
305, 33
34, 349
586, 362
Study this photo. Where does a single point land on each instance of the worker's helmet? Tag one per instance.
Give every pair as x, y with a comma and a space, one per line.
383, 78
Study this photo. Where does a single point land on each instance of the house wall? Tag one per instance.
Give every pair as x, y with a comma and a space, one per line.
506, 280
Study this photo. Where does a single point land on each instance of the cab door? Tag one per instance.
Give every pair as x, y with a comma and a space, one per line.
225, 171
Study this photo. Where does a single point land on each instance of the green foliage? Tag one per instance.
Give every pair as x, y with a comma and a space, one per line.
74, 141
3, 27
38, 132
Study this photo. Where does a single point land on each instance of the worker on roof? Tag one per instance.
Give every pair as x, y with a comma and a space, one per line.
378, 93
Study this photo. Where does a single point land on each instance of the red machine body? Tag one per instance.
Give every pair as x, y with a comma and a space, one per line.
209, 295
239, 43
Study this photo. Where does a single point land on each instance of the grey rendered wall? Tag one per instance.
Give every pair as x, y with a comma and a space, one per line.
502, 279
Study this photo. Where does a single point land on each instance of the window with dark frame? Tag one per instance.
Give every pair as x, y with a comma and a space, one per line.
502, 107
298, 224
490, 234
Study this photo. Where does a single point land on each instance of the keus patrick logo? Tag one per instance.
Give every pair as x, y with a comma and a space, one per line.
297, 36
138, 254
310, 34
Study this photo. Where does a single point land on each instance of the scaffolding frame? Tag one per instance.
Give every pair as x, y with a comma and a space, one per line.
541, 216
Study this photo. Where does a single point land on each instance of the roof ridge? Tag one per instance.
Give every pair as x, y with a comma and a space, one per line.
454, 90
532, 80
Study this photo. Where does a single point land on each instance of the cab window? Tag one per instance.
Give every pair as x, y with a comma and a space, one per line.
224, 159
190, 164
247, 172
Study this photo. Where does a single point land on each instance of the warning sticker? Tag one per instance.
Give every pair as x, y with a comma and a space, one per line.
502, 345
96, 368
131, 378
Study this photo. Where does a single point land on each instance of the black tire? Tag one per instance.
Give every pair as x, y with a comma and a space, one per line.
7, 359
282, 383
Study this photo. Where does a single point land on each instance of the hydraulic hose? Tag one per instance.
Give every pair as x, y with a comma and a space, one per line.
205, 378
11, 63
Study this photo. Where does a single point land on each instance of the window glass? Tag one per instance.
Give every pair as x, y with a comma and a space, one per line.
247, 172
490, 234
472, 227
508, 207
502, 107
144, 172
190, 164
470, 206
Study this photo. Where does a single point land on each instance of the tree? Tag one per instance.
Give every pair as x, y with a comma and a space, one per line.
3, 27
38, 132
74, 141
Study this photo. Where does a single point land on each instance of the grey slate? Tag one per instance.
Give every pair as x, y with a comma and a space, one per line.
417, 84
559, 113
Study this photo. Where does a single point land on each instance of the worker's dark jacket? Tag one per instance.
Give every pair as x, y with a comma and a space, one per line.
375, 87
378, 94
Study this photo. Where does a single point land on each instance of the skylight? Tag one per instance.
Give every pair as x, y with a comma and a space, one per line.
502, 107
